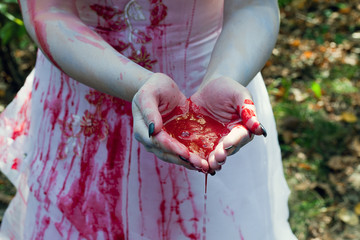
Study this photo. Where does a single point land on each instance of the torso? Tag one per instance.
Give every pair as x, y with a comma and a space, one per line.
162, 36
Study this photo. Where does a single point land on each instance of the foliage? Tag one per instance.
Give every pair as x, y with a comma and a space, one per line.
16, 49
313, 80
12, 27
283, 3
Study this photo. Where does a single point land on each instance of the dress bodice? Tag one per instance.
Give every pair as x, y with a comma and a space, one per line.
163, 36
135, 19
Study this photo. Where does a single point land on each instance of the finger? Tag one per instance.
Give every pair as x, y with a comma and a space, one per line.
217, 157
148, 105
171, 158
249, 118
199, 163
168, 144
238, 137
140, 128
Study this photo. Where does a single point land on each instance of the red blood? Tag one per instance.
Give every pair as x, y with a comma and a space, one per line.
15, 163
254, 127
248, 101
198, 132
246, 114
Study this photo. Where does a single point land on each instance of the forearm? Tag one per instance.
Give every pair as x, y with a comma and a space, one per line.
248, 36
79, 52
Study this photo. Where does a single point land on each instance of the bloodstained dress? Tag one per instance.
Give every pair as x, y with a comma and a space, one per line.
79, 172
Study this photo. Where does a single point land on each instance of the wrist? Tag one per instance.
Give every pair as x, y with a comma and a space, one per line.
208, 79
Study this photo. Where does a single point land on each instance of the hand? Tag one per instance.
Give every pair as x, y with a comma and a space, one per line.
229, 102
156, 98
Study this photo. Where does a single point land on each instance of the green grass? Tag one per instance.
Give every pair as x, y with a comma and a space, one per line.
315, 138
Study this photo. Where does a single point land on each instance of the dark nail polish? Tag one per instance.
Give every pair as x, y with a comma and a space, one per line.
263, 130
151, 129
228, 148
213, 173
184, 159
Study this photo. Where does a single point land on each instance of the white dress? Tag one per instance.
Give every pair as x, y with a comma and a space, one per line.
80, 173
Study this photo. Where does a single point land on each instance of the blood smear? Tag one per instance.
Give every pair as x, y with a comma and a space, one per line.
204, 210
198, 132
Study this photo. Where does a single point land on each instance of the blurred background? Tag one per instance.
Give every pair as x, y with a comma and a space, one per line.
313, 78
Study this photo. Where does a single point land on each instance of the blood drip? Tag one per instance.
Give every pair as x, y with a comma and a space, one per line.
198, 132
204, 210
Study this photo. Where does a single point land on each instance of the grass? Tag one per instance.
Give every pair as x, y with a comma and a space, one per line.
309, 136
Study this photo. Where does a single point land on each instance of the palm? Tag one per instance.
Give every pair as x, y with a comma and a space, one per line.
229, 102
156, 98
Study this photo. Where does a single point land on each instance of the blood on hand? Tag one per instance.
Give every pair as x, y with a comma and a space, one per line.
198, 132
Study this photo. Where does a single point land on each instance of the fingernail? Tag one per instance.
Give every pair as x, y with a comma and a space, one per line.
151, 129
213, 173
263, 130
221, 163
228, 148
184, 159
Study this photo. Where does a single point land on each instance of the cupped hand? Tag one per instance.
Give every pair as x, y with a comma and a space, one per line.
229, 102
158, 97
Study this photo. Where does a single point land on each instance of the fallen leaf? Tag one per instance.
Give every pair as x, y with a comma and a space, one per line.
306, 185
299, 4
280, 92
351, 59
341, 162
348, 217
3, 88
355, 146
348, 117
304, 166
2, 107
295, 42
298, 95
268, 63
345, 10
307, 54
354, 180
357, 209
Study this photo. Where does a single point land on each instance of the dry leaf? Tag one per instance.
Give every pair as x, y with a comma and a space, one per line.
299, 4
298, 95
308, 54
348, 117
3, 88
354, 180
355, 146
295, 43
345, 10
280, 92
304, 186
335, 163
348, 217
357, 209
341, 162
268, 63
304, 166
